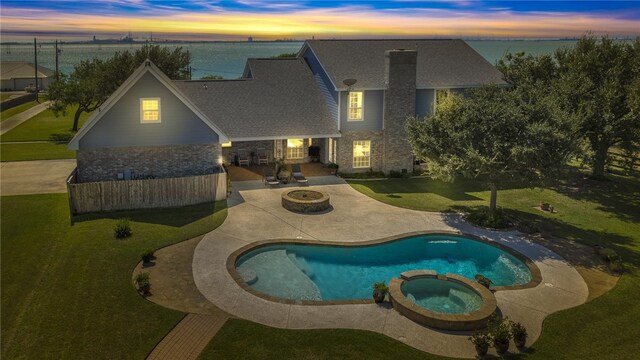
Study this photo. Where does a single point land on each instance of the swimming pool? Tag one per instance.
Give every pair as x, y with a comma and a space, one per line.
331, 272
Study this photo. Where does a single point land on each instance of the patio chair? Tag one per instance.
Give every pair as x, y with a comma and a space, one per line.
262, 157
269, 178
297, 174
243, 158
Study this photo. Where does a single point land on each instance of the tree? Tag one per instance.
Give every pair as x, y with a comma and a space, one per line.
212, 77
93, 81
598, 83
286, 55
492, 135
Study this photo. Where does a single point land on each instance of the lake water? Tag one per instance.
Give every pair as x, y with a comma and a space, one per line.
228, 58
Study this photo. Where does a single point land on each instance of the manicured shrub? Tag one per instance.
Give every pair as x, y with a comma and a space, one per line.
122, 229
143, 283
147, 255
489, 219
61, 137
519, 333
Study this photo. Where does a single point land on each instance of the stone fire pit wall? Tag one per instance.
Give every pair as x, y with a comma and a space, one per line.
293, 200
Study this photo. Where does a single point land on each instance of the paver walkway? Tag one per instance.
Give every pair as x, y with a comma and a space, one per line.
35, 177
18, 119
187, 340
255, 214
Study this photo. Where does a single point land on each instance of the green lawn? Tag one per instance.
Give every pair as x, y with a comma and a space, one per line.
67, 291
41, 126
16, 110
4, 96
35, 151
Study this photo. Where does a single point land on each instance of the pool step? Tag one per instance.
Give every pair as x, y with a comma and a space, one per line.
301, 264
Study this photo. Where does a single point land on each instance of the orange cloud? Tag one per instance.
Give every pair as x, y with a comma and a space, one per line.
343, 22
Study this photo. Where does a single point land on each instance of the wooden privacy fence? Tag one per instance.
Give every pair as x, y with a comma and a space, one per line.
144, 194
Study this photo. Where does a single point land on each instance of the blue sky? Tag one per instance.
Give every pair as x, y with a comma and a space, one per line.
227, 19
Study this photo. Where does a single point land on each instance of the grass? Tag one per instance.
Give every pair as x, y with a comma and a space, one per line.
41, 126
4, 96
67, 291
241, 339
35, 151
16, 110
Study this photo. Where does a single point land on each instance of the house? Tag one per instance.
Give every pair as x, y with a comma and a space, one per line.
17, 75
348, 97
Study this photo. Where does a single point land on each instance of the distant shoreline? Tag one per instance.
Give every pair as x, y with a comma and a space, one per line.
121, 42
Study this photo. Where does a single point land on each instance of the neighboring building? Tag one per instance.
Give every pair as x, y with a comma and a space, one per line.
348, 97
17, 75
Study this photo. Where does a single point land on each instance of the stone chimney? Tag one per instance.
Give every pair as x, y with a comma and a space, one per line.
399, 103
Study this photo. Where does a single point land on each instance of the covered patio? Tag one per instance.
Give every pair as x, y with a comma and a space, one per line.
256, 172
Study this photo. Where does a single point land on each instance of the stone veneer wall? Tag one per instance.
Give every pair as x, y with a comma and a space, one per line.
165, 161
345, 150
400, 102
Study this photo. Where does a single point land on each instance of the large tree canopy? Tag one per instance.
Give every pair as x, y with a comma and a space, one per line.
93, 81
596, 82
492, 134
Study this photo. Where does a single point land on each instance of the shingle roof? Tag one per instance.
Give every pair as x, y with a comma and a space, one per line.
22, 70
441, 63
281, 100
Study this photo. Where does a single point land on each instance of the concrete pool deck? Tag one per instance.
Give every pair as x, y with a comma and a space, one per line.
255, 214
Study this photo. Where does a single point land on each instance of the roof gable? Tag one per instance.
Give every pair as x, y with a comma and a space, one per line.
147, 67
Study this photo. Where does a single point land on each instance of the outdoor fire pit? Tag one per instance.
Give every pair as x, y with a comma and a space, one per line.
305, 201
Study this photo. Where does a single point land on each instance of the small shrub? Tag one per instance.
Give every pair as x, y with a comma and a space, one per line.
364, 175
489, 219
332, 165
61, 137
482, 341
143, 282
519, 333
122, 229
381, 286
147, 256
527, 227
397, 174
500, 333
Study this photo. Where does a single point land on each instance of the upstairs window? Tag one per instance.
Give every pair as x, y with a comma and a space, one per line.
355, 105
150, 110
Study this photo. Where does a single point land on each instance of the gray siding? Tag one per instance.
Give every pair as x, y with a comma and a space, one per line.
121, 126
424, 102
373, 112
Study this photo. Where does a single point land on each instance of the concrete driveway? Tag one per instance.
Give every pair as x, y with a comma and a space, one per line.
255, 214
35, 177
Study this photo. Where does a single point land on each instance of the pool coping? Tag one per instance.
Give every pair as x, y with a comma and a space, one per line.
536, 276
453, 322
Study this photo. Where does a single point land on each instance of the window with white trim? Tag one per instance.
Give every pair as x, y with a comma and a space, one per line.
150, 110
295, 148
362, 154
355, 105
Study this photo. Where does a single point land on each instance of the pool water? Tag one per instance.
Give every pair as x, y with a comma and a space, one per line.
442, 296
316, 272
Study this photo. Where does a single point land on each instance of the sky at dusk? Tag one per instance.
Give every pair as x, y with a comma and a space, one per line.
265, 20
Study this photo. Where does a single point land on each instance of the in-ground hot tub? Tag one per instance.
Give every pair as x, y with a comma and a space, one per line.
448, 302
305, 201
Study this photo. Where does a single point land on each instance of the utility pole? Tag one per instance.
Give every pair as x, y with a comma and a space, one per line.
35, 55
57, 76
